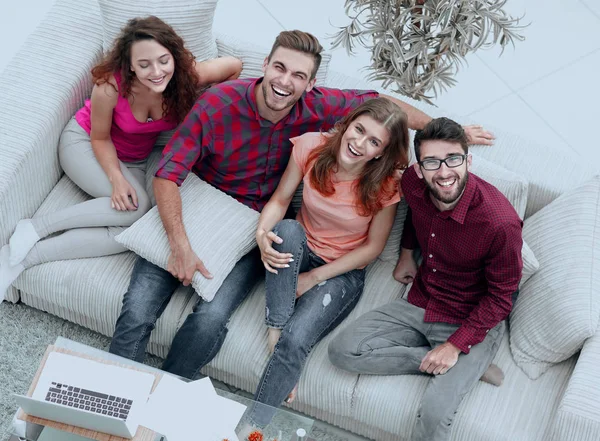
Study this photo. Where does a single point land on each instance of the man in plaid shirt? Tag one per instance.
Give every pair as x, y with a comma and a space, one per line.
452, 323
236, 138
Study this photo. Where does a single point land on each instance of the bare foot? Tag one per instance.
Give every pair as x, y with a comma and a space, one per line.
493, 375
272, 338
292, 396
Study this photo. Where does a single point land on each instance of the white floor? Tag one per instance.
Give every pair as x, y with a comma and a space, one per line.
544, 89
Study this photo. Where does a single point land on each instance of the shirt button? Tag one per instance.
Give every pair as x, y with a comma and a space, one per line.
434, 270
432, 234
430, 256
469, 346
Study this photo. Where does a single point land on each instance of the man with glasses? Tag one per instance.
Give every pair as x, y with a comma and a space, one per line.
452, 323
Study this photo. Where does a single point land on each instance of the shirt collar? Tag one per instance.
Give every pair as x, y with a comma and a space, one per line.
290, 118
459, 212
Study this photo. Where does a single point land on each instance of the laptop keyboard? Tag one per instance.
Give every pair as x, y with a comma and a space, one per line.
89, 400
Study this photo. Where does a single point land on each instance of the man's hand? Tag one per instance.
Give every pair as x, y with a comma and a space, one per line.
305, 282
406, 268
183, 264
440, 360
478, 135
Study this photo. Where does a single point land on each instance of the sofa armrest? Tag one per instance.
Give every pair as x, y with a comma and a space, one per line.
578, 415
40, 89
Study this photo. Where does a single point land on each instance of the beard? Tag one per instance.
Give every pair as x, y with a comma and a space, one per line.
448, 198
277, 106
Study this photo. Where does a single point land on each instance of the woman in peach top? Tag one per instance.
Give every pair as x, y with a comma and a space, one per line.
315, 264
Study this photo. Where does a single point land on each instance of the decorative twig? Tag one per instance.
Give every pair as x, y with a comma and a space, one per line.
417, 46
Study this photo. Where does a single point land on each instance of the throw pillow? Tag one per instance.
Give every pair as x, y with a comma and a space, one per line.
191, 19
559, 307
221, 230
253, 57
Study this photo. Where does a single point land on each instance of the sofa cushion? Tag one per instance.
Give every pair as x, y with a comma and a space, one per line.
253, 57
221, 230
559, 307
191, 19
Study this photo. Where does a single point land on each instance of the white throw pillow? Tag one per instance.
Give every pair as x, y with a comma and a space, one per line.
511, 185
191, 19
221, 230
253, 57
559, 307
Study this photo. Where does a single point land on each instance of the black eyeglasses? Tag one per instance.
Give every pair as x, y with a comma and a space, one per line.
451, 162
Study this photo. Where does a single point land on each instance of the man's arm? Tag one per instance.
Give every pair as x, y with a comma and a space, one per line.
503, 270
183, 262
417, 120
185, 148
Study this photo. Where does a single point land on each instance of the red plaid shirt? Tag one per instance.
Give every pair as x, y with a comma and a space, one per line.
471, 257
227, 144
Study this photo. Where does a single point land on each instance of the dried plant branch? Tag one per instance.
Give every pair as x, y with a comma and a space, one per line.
417, 46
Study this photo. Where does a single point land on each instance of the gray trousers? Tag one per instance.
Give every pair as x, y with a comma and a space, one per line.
393, 340
89, 227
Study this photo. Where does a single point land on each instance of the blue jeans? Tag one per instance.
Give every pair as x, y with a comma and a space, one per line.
203, 332
303, 321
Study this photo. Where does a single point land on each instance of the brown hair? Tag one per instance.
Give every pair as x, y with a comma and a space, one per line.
302, 42
183, 89
443, 129
377, 182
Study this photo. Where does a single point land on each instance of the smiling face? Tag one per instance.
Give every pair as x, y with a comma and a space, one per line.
152, 64
286, 78
364, 140
446, 185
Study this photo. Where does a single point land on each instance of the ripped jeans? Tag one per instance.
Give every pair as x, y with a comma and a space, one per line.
303, 321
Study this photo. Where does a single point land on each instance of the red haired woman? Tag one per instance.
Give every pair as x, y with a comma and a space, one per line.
145, 85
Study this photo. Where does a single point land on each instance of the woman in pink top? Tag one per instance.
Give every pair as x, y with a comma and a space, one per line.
145, 85
315, 264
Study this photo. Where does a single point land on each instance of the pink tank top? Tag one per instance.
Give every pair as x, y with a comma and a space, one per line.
132, 139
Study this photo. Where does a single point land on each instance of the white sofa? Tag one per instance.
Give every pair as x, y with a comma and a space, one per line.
48, 81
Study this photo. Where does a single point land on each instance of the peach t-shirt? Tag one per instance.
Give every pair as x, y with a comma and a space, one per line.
333, 227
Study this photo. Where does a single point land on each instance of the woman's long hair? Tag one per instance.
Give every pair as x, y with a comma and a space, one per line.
184, 87
377, 182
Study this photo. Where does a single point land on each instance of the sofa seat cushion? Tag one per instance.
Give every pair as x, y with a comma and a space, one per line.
89, 292
385, 407
324, 391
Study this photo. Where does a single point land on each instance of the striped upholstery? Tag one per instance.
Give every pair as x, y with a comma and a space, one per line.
220, 229
578, 416
33, 112
191, 19
559, 307
253, 57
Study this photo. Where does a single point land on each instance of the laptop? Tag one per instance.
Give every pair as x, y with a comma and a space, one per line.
89, 394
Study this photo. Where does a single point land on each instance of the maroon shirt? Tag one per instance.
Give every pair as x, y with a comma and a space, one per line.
227, 144
471, 257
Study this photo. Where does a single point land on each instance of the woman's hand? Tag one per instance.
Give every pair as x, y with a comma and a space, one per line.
270, 257
121, 194
305, 282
